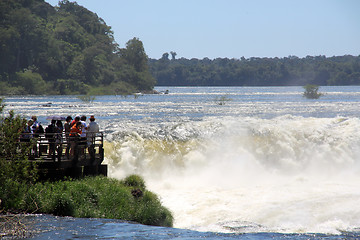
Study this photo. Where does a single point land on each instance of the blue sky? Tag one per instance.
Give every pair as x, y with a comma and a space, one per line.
234, 28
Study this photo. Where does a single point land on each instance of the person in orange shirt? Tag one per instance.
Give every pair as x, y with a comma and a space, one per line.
75, 133
73, 122
76, 130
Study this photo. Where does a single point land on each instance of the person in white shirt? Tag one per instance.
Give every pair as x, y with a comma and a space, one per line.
93, 128
84, 126
35, 125
82, 141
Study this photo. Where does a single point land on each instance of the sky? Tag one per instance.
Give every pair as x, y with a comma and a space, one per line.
234, 28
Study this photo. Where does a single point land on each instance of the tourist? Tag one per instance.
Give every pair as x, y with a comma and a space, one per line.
59, 126
35, 125
67, 128
27, 132
50, 132
73, 122
37, 129
58, 138
82, 140
76, 130
93, 128
74, 135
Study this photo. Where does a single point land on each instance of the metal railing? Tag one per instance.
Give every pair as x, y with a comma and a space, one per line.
62, 147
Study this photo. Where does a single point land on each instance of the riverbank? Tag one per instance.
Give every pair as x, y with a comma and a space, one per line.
90, 197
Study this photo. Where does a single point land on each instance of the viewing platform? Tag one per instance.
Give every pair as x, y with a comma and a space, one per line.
58, 156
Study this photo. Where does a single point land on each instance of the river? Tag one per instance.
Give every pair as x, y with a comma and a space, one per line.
229, 162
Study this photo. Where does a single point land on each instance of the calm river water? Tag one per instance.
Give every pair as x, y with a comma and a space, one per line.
229, 162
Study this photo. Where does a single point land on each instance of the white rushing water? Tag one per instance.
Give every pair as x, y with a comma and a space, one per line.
285, 174
268, 160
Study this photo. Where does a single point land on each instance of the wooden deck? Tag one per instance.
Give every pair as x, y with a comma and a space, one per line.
58, 156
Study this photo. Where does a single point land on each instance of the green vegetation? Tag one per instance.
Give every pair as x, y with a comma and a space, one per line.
95, 197
288, 71
65, 50
99, 197
14, 164
311, 92
70, 50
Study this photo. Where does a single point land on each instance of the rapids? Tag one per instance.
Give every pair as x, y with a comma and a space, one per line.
267, 160
286, 174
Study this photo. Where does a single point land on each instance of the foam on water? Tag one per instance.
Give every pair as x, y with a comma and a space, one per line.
268, 160
287, 174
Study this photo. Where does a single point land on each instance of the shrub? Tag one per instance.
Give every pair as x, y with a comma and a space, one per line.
97, 197
32, 82
134, 181
63, 205
151, 212
14, 162
311, 91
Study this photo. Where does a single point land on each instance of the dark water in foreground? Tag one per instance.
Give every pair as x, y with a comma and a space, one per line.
50, 227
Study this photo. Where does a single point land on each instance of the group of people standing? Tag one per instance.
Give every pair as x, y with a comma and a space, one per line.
31, 129
79, 128
77, 133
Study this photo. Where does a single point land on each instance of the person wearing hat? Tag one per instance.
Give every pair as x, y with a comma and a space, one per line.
93, 128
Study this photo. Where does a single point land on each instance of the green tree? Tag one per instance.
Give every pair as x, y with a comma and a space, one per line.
134, 55
31, 82
288, 71
64, 44
138, 71
14, 163
165, 57
173, 55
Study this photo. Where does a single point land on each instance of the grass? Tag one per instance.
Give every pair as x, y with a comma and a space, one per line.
91, 197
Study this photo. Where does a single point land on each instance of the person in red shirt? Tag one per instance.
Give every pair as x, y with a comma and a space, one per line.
75, 133
76, 119
76, 130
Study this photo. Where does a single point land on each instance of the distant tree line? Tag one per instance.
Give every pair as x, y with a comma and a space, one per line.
70, 50
288, 71
65, 50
